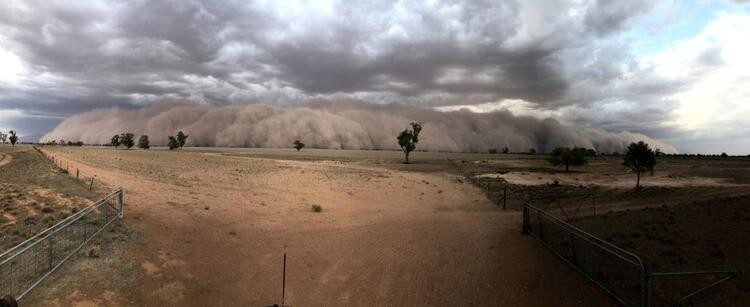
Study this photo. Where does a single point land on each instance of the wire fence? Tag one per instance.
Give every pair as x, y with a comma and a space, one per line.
26, 265
73, 172
620, 273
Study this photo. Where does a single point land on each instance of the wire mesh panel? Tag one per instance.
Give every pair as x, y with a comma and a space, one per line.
24, 266
618, 272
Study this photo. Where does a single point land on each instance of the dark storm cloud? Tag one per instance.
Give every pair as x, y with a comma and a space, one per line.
363, 47
89, 54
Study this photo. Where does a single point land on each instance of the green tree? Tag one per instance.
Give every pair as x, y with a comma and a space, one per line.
298, 145
3, 138
639, 158
181, 139
173, 143
409, 138
126, 139
13, 138
143, 142
568, 157
115, 141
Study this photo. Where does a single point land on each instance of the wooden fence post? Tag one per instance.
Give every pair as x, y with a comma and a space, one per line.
505, 195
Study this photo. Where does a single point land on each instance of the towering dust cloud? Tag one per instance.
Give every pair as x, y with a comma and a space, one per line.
345, 125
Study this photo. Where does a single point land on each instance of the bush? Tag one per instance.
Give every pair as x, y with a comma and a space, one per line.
143, 142
317, 208
173, 143
298, 145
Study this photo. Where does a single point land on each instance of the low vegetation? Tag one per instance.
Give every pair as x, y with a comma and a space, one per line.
317, 208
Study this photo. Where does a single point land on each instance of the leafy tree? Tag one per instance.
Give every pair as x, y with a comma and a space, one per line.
568, 157
591, 152
409, 138
126, 139
724, 155
181, 138
143, 142
13, 138
173, 143
506, 150
298, 145
639, 157
3, 138
115, 141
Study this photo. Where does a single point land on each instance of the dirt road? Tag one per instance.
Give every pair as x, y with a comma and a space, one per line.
214, 228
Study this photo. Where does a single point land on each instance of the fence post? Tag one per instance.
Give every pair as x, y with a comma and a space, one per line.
526, 226
505, 192
51, 253
593, 201
77, 172
122, 203
646, 287
92, 183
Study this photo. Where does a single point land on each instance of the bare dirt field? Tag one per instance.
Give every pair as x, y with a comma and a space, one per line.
212, 226
215, 224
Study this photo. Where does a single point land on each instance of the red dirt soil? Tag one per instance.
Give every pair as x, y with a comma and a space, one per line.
214, 228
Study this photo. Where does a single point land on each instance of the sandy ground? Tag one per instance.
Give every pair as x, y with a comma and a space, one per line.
4, 159
214, 227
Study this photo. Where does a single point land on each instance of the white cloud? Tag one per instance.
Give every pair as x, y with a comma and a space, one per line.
717, 98
12, 68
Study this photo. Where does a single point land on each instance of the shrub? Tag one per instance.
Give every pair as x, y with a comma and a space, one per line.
143, 142
173, 143
317, 208
298, 145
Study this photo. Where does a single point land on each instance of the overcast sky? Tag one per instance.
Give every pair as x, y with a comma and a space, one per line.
674, 70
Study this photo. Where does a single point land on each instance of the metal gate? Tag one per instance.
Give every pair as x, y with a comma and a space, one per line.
27, 264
